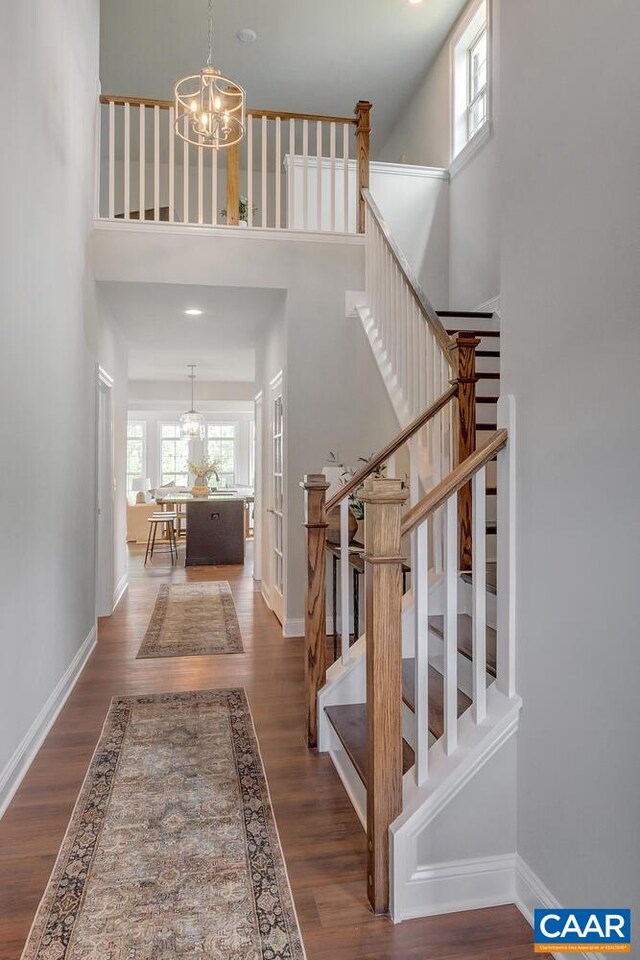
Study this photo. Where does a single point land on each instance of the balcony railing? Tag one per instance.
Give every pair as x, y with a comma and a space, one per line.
291, 171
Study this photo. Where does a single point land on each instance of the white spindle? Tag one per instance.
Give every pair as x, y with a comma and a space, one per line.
200, 185
142, 172
344, 577
345, 168
391, 466
214, 187
185, 174
265, 209
319, 173
292, 190
127, 162
506, 527
332, 163
305, 174
479, 567
172, 166
420, 584
156, 162
250, 170
278, 170
112, 165
451, 627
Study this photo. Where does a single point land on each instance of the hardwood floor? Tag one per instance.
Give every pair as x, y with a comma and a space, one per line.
323, 843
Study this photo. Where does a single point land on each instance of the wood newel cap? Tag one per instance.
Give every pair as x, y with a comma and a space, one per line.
315, 481
383, 490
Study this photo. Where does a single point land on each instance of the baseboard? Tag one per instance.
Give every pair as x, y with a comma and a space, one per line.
531, 893
458, 885
119, 591
293, 627
15, 770
490, 306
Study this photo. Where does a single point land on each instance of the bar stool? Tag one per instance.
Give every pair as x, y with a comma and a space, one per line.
158, 519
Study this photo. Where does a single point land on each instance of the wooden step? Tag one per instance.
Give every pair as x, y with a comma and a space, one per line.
488, 353
486, 426
477, 333
487, 376
465, 638
465, 314
491, 578
436, 696
349, 720
492, 529
491, 399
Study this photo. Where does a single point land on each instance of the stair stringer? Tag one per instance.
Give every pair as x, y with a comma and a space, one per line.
453, 847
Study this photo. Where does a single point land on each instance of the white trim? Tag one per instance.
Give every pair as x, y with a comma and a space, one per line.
120, 589
293, 627
471, 148
459, 885
246, 233
490, 306
531, 893
15, 770
375, 166
105, 377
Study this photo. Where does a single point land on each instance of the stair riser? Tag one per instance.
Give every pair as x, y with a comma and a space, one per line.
465, 603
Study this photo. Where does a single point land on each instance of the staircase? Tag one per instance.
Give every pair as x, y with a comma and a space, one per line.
419, 715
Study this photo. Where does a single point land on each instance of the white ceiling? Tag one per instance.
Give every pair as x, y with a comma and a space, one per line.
310, 57
162, 341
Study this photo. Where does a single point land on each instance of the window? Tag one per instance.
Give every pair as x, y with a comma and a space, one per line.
174, 456
471, 72
136, 451
221, 447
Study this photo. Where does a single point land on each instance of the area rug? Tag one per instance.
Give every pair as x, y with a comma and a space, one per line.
172, 849
192, 620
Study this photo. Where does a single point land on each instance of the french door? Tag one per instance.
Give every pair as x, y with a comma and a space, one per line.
277, 504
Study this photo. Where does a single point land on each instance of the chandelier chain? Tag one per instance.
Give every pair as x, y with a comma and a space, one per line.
210, 56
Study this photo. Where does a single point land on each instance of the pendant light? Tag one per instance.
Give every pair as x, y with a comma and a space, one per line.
192, 422
210, 108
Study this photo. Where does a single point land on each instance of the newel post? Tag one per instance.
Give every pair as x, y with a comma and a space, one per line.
383, 501
363, 134
463, 347
315, 614
233, 185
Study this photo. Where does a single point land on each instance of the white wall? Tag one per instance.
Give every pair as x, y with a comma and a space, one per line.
48, 354
571, 355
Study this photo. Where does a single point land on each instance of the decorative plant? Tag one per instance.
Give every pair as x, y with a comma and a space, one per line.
203, 470
346, 473
243, 209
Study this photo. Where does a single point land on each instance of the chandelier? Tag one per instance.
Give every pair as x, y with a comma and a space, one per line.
210, 108
192, 422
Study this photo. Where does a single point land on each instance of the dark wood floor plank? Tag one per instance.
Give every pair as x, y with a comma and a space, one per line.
322, 840
436, 696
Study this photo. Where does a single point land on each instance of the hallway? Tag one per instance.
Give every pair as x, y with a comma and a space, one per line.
323, 843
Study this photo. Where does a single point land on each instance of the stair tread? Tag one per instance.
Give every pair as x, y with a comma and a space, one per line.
486, 425
491, 577
487, 376
477, 333
491, 399
349, 720
487, 353
436, 696
465, 637
480, 314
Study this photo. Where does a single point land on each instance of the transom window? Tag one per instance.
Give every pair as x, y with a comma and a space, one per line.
221, 447
174, 456
477, 105
471, 68
136, 451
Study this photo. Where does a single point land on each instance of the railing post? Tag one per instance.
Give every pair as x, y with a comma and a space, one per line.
233, 185
315, 615
363, 133
463, 349
383, 501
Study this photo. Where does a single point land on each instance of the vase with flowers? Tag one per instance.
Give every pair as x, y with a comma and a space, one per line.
356, 506
203, 470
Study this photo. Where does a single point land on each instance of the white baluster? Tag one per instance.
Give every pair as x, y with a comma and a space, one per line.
250, 170
185, 174
319, 173
414, 476
332, 163
420, 584
112, 166
506, 526
278, 171
305, 174
345, 168
479, 568
200, 185
172, 165
344, 577
265, 207
127, 162
451, 627
142, 172
214, 187
292, 192
156, 162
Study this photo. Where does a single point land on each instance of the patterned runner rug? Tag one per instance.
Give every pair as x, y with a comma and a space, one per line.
192, 620
172, 849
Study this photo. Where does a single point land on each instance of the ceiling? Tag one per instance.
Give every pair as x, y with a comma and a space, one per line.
162, 341
310, 57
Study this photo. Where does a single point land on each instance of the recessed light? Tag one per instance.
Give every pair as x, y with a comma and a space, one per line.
414, 3
193, 312
246, 35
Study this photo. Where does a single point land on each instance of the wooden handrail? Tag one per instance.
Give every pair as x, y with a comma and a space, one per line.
107, 98
424, 305
453, 482
394, 445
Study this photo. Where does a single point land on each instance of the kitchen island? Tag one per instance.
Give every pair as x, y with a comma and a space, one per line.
215, 531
